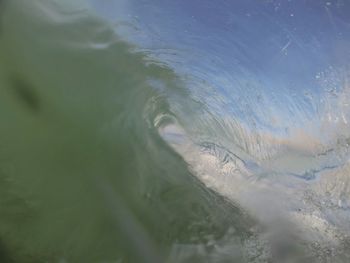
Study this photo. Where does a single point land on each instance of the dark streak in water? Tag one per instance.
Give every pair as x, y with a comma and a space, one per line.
25, 93
312, 174
1, 14
4, 254
219, 151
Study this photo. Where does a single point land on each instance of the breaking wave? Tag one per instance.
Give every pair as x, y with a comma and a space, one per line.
133, 140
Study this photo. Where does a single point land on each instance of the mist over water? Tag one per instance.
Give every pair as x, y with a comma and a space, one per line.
174, 131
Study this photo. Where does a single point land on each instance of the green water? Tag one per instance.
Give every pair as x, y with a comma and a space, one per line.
107, 155
85, 177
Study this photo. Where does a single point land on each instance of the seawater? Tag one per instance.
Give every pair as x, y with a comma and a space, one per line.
174, 131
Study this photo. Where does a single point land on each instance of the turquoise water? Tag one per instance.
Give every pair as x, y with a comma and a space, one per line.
125, 138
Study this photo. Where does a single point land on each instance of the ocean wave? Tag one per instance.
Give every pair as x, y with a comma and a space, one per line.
112, 150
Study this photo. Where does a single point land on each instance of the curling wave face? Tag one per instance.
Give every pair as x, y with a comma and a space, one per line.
151, 131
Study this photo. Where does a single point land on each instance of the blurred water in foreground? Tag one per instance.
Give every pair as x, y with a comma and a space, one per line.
174, 131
